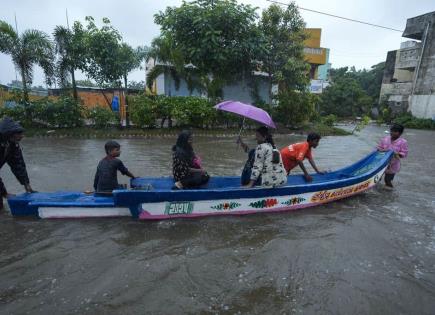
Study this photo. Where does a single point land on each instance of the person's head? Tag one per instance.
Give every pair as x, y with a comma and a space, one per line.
263, 135
184, 140
396, 131
313, 139
11, 130
112, 148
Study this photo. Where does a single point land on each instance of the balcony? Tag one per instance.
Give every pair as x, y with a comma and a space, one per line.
407, 58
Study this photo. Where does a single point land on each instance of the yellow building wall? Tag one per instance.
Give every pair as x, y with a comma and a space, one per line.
313, 37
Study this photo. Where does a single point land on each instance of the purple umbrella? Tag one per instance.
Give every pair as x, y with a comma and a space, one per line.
247, 111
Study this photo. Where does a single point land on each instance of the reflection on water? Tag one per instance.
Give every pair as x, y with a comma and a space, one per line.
373, 253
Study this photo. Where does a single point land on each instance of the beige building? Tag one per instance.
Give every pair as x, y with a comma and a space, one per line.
409, 77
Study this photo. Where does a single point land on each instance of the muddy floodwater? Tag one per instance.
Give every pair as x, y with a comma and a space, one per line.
369, 254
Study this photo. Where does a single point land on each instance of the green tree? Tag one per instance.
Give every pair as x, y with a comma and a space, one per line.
102, 52
86, 83
128, 60
345, 98
71, 51
31, 48
283, 57
218, 37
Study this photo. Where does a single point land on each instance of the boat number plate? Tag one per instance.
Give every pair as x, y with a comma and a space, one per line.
176, 208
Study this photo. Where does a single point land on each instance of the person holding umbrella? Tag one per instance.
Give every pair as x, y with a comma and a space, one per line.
267, 163
264, 166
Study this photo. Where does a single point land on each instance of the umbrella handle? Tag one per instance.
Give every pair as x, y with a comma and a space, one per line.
240, 132
243, 123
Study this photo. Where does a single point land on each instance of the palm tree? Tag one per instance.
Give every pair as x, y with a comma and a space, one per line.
67, 61
32, 47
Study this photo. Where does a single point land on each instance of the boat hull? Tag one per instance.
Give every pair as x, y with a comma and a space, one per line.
153, 199
242, 206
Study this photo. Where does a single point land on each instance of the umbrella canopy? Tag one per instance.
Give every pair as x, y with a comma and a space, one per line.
248, 111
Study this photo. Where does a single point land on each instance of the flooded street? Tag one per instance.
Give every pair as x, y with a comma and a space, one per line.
370, 254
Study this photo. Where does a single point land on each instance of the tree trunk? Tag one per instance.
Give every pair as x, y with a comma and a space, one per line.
127, 118
26, 98
25, 93
74, 86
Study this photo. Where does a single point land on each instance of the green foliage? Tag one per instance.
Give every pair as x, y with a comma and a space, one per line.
142, 111
282, 54
409, 121
31, 47
102, 47
219, 37
295, 107
362, 124
345, 98
62, 113
329, 120
65, 112
191, 111
71, 51
102, 117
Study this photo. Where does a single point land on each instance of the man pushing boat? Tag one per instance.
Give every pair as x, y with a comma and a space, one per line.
11, 134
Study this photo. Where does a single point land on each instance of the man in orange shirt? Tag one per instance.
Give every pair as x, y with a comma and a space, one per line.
294, 154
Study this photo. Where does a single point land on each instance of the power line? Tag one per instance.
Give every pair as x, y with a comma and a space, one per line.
339, 17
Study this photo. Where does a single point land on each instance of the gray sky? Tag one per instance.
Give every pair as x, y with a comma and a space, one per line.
350, 43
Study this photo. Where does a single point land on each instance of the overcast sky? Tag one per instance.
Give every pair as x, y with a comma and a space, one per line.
351, 44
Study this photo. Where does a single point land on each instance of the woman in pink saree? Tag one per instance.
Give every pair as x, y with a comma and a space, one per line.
400, 147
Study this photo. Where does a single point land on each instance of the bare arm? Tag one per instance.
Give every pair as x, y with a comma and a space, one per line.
314, 166
307, 177
129, 174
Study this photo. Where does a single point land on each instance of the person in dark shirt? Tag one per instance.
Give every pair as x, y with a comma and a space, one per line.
188, 173
11, 134
106, 178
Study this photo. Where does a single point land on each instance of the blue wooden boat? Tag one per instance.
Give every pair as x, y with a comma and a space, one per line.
152, 198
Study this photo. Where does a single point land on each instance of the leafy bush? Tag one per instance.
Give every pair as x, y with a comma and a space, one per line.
17, 113
102, 117
190, 110
294, 107
142, 111
329, 120
409, 121
64, 112
193, 111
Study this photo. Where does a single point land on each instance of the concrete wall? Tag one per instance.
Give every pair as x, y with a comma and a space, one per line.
239, 91
411, 85
422, 106
425, 84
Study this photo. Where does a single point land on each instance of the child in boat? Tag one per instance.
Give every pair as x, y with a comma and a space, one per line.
294, 155
399, 145
186, 167
267, 162
106, 178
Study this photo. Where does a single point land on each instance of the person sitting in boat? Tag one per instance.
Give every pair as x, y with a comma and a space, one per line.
295, 154
399, 145
267, 162
106, 178
11, 134
186, 168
